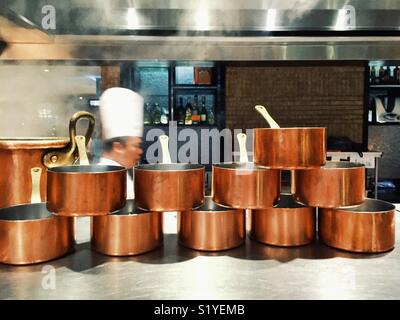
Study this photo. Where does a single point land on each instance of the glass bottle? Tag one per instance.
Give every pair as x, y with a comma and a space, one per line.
381, 74
195, 113
387, 74
211, 117
146, 114
164, 116
203, 112
157, 114
396, 75
373, 75
180, 112
188, 113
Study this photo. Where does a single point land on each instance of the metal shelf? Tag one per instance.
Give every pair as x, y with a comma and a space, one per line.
383, 123
383, 86
196, 87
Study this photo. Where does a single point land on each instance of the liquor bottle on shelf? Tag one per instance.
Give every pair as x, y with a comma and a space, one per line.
147, 114
180, 112
203, 112
195, 113
188, 113
381, 74
387, 74
157, 114
211, 117
396, 75
164, 116
373, 75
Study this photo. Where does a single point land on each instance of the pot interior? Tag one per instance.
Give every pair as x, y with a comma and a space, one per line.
86, 169
240, 166
169, 166
210, 205
23, 212
341, 165
286, 200
129, 209
370, 206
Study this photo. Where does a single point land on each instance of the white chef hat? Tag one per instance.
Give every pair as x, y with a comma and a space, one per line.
121, 113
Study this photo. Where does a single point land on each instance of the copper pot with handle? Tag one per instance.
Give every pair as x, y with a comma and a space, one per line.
288, 148
29, 233
85, 190
19, 155
169, 186
129, 231
368, 227
245, 185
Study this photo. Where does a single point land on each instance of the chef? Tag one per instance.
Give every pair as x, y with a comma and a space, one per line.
121, 115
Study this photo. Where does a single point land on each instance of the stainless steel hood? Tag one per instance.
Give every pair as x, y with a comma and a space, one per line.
205, 30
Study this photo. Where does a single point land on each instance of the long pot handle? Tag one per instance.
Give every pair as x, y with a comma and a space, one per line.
242, 148
66, 156
267, 117
166, 158
74, 121
36, 173
83, 158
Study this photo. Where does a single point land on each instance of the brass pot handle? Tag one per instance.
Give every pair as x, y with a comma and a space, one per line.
66, 156
267, 117
36, 174
166, 158
83, 158
73, 122
242, 147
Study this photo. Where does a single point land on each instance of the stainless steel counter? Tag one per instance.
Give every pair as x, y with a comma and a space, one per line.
253, 271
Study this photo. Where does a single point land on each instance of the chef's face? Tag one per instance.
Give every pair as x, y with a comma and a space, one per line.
130, 151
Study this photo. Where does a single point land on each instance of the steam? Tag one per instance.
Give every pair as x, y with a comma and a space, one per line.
39, 100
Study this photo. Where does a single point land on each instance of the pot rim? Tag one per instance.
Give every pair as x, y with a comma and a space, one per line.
343, 165
292, 128
33, 142
366, 202
25, 205
236, 166
65, 169
152, 167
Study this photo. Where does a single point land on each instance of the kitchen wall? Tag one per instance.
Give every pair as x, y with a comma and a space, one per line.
298, 95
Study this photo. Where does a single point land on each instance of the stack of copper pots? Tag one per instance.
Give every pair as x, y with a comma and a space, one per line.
99, 191
289, 223
346, 219
241, 186
29, 232
167, 186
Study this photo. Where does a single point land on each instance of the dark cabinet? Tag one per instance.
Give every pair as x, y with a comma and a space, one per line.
189, 93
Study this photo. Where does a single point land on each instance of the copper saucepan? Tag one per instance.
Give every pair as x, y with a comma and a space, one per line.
368, 227
85, 190
288, 148
244, 184
336, 184
169, 186
19, 155
129, 231
211, 227
289, 223
31, 234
